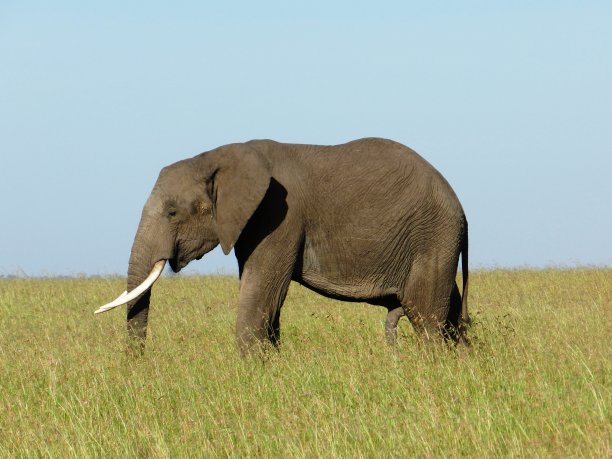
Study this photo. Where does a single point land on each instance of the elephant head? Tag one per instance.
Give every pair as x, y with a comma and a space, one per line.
195, 205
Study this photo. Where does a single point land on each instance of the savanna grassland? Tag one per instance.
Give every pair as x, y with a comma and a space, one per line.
536, 381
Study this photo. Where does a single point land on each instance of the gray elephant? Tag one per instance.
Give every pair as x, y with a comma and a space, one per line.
393, 317
367, 221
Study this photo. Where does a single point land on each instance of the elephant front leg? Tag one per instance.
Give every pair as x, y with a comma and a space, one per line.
262, 294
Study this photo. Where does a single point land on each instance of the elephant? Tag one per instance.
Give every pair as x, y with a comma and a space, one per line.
393, 317
366, 221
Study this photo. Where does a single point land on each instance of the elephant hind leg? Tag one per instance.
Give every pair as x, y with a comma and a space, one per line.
393, 317
273, 327
452, 324
394, 314
426, 299
454, 328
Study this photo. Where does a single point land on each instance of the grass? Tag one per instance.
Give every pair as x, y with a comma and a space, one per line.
536, 382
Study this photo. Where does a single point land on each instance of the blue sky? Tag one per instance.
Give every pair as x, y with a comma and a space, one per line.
512, 102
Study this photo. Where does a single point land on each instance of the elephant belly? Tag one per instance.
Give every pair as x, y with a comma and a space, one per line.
348, 291
354, 278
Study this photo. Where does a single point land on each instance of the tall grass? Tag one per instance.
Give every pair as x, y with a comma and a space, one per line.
536, 381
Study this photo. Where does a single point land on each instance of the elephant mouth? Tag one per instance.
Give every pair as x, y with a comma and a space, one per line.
175, 261
175, 264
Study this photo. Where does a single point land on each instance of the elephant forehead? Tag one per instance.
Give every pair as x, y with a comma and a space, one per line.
176, 182
175, 174
162, 198
154, 205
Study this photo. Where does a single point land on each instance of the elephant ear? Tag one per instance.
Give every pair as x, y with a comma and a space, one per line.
240, 183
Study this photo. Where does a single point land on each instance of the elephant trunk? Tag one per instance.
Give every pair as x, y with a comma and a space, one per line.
137, 317
137, 309
147, 260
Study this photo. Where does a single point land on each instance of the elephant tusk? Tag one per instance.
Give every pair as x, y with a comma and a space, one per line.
119, 297
126, 297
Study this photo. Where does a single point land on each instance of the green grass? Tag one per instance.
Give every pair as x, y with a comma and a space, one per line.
536, 382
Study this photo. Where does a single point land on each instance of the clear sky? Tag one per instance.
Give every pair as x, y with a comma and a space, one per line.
511, 101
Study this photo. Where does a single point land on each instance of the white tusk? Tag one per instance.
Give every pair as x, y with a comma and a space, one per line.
116, 302
127, 297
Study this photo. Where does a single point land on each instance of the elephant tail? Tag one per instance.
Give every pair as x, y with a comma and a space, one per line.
465, 318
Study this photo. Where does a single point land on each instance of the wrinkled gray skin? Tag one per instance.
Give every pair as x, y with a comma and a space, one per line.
368, 221
393, 317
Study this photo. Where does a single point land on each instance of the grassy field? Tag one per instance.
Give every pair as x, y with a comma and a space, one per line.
536, 382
